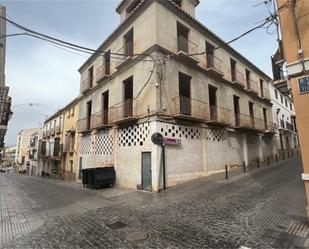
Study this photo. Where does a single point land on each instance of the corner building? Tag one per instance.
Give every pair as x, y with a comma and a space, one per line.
215, 106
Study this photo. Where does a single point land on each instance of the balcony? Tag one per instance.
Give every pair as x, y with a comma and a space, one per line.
270, 128
252, 86
247, 122
190, 109
86, 84
289, 126
238, 78
219, 116
123, 112
68, 145
187, 49
100, 120
265, 94
58, 129
214, 64
125, 54
103, 72
83, 125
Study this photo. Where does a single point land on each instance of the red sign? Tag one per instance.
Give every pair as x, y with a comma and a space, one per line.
171, 141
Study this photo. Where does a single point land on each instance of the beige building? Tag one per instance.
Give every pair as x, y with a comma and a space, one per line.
59, 144
70, 171
52, 145
293, 57
213, 108
22, 159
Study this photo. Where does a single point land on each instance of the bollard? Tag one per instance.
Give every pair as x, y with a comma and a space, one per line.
226, 172
268, 161
244, 166
276, 156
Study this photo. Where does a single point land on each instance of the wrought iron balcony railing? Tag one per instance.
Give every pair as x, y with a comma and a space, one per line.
238, 78
249, 122
125, 53
186, 47
103, 71
188, 108
122, 111
214, 64
86, 84
84, 124
100, 119
252, 86
219, 115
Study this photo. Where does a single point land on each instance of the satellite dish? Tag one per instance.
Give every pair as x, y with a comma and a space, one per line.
157, 138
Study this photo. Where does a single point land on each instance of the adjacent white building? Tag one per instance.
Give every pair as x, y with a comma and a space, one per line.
285, 120
34, 147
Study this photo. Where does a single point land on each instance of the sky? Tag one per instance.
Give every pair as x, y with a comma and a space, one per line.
38, 72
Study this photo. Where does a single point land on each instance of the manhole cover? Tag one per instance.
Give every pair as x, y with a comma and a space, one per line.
117, 225
138, 236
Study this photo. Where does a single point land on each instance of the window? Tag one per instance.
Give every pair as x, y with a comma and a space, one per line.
251, 111
262, 87
286, 103
210, 55
128, 43
107, 62
291, 107
184, 85
90, 76
276, 94
233, 69
71, 166
68, 116
72, 111
265, 118
248, 79
281, 98
89, 111
182, 38
128, 97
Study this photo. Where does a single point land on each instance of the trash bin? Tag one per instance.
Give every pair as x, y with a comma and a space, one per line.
90, 174
104, 177
85, 177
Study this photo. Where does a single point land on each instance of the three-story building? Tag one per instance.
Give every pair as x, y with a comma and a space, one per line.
162, 71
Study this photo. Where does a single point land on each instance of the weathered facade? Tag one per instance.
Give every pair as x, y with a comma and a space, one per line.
51, 145
69, 165
163, 71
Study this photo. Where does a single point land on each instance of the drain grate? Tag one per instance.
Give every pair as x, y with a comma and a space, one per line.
117, 225
138, 236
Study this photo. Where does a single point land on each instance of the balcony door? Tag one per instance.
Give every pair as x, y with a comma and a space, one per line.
212, 92
262, 88
107, 62
236, 110
128, 97
128, 41
185, 94
248, 79
210, 55
105, 97
182, 38
265, 118
233, 69
88, 119
251, 111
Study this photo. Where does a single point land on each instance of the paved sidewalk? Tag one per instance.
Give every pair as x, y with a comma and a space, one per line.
264, 208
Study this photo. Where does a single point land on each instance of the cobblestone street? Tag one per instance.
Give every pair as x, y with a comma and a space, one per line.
264, 208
